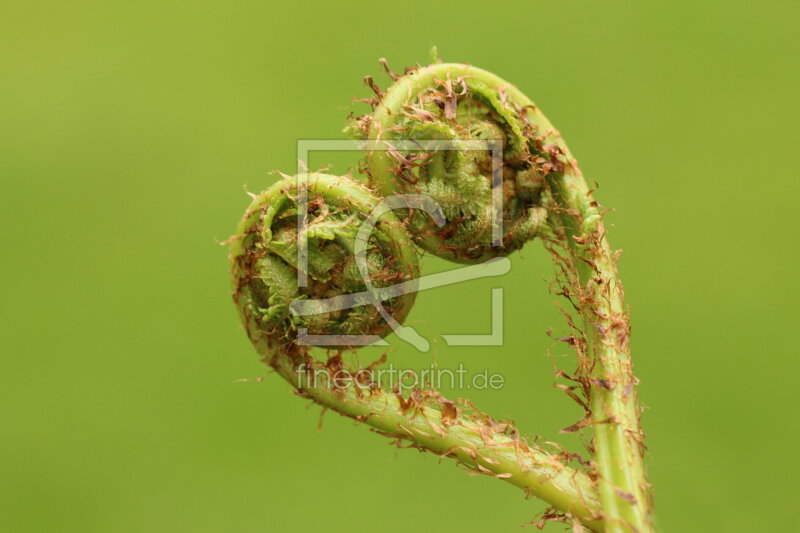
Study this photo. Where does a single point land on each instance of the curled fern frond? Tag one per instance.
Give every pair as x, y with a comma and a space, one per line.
487, 169
265, 260
544, 193
495, 174
265, 268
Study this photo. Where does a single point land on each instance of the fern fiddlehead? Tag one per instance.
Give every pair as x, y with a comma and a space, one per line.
263, 260
432, 104
541, 192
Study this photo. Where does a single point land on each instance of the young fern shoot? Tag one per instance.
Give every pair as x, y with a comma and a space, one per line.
458, 102
541, 192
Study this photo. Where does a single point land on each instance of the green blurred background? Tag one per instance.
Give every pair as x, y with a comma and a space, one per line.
127, 133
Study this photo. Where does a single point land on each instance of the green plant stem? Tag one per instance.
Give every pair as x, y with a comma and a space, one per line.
592, 285
614, 495
613, 402
596, 290
263, 289
429, 422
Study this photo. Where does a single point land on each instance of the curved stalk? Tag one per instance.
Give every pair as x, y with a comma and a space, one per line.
544, 194
264, 280
606, 370
574, 234
428, 421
